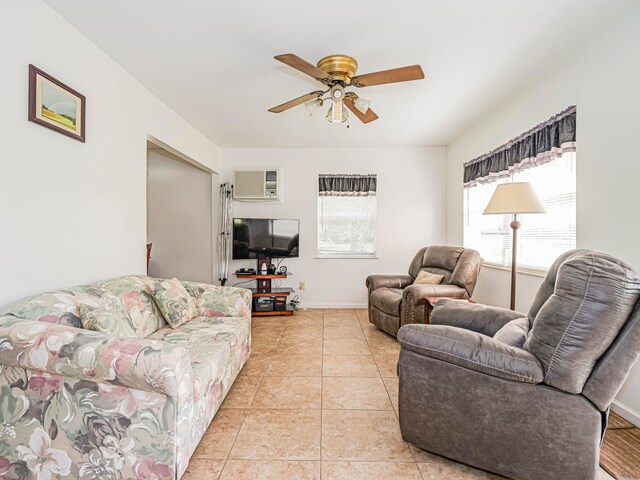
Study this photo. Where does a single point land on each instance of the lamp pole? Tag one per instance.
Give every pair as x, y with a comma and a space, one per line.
512, 199
515, 225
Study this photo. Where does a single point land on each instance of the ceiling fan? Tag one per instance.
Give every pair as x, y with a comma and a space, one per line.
338, 72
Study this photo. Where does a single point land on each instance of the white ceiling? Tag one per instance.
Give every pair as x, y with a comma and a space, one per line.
212, 61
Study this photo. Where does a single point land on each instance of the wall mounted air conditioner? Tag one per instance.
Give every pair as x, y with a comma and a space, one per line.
255, 185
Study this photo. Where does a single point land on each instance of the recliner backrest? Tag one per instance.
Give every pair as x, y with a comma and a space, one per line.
549, 284
458, 265
610, 372
593, 297
467, 270
438, 259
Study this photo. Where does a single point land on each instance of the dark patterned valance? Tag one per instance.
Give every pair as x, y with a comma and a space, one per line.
541, 144
347, 185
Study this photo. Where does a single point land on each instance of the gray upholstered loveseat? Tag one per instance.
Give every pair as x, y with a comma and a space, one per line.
524, 396
394, 300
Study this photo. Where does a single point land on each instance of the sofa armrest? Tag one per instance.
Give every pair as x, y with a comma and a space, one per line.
215, 301
149, 365
471, 350
480, 318
390, 281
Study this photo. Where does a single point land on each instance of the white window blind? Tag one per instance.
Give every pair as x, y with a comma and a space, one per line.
347, 226
542, 237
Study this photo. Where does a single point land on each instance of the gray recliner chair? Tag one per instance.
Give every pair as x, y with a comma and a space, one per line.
395, 301
527, 397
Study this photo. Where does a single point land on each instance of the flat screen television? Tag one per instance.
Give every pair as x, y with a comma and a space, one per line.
265, 238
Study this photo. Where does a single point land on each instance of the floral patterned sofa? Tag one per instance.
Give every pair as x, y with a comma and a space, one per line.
77, 403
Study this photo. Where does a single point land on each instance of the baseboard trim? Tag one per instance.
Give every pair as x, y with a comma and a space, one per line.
626, 412
334, 305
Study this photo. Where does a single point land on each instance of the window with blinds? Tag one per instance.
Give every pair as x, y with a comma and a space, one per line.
346, 226
542, 237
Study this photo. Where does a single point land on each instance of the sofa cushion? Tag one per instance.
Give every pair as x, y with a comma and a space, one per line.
105, 315
61, 307
387, 300
593, 297
214, 301
218, 348
514, 333
134, 293
210, 342
175, 303
427, 278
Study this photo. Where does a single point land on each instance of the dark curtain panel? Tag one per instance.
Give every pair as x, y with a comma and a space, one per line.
541, 144
347, 185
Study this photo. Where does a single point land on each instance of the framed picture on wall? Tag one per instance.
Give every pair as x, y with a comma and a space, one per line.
55, 105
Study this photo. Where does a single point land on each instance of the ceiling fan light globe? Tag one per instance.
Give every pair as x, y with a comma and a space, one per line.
362, 104
313, 106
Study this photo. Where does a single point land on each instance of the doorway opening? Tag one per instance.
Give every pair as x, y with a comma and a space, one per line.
179, 216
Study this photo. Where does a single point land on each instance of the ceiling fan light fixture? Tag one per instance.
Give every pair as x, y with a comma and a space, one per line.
362, 104
337, 92
313, 106
336, 73
337, 114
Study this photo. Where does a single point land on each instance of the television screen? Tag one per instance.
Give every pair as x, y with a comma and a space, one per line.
263, 237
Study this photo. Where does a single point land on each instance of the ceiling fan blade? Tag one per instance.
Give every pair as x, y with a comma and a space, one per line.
370, 116
295, 102
302, 65
395, 75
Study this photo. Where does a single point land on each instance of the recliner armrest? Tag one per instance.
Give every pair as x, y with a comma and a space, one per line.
390, 281
417, 292
472, 351
472, 316
415, 295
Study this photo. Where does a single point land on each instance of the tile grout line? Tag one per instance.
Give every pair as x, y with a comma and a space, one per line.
248, 408
390, 399
377, 367
323, 408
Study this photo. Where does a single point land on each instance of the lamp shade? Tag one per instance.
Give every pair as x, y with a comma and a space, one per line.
516, 197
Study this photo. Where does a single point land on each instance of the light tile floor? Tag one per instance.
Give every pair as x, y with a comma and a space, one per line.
317, 400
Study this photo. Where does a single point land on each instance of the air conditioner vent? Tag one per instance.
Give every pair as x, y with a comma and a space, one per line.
257, 184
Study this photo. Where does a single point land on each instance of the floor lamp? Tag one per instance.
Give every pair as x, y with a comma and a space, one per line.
514, 198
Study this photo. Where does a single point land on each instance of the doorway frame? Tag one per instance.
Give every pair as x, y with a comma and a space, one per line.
186, 158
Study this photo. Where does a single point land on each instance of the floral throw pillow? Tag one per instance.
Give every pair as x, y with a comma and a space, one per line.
105, 315
175, 303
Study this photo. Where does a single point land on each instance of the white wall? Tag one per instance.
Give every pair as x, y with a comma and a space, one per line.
70, 212
179, 218
602, 80
410, 212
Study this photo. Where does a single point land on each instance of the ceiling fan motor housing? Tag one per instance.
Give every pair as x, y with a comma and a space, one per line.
340, 67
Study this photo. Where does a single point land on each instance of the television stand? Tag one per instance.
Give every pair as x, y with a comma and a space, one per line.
264, 288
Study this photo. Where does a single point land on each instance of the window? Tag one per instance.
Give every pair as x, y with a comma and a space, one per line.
347, 217
542, 237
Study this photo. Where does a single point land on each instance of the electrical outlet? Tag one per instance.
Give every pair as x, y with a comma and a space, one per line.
300, 285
